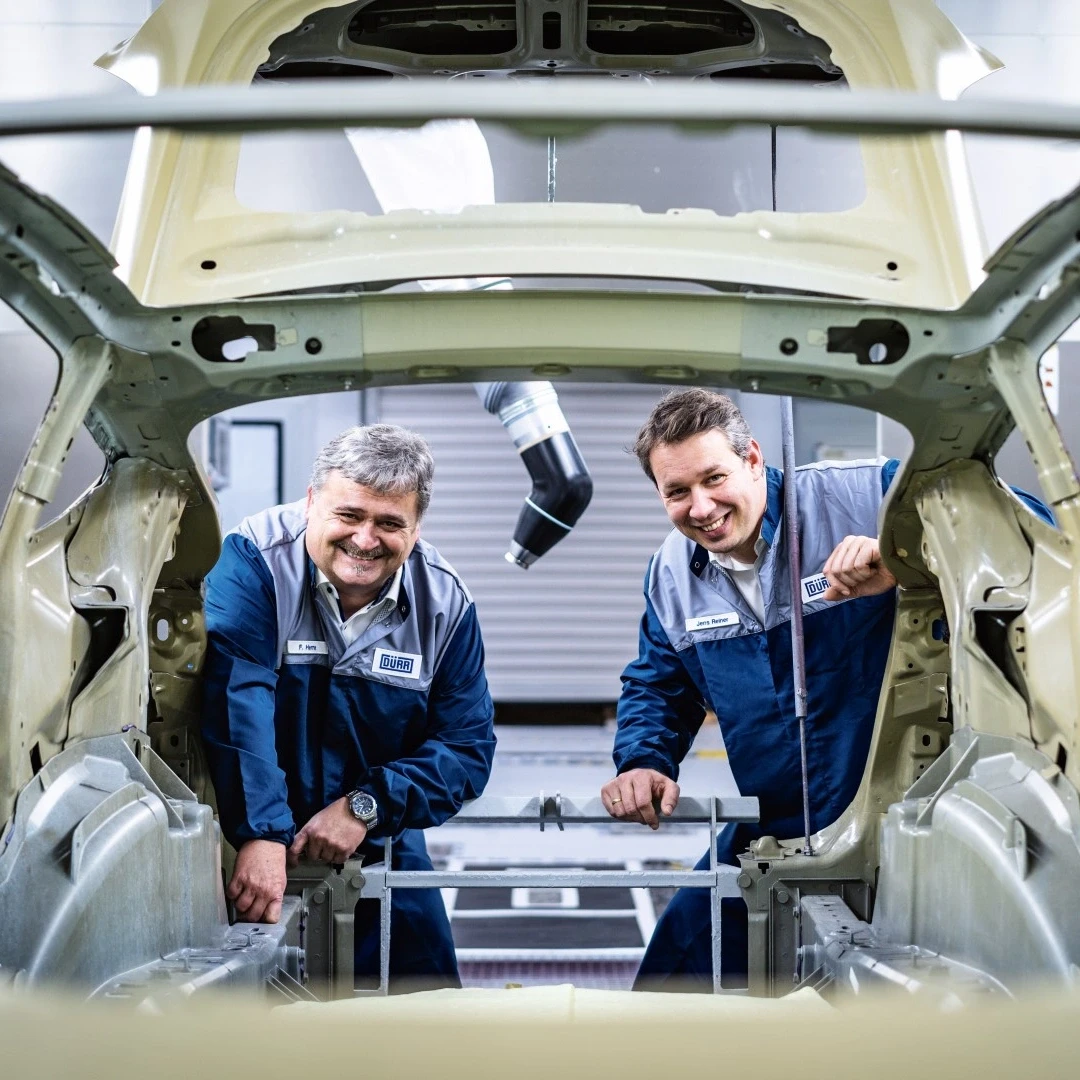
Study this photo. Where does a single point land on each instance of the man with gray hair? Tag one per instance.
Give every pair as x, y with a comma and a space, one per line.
344, 691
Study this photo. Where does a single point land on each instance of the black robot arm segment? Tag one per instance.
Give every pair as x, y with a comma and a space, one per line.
562, 486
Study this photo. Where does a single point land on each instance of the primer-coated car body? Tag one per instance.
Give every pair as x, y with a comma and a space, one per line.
961, 852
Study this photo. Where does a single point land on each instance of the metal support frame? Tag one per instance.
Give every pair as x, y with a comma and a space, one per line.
379, 881
798, 648
563, 108
957, 384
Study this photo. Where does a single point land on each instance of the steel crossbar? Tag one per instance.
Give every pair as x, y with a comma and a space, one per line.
381, 879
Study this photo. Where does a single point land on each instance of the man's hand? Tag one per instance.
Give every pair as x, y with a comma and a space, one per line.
258, 881
630, 796
331, 836
855, 569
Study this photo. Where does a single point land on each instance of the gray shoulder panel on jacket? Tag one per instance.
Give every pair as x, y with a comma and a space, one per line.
275, 525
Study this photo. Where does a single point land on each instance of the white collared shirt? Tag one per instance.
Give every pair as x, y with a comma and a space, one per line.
745, 577
352, 627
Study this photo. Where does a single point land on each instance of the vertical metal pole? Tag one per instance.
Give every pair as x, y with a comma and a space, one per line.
552, 162
798, 651
384, 925
714, 901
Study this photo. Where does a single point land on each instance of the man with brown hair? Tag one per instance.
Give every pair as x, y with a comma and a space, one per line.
716, 634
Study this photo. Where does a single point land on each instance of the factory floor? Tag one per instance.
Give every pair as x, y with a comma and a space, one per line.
589, 937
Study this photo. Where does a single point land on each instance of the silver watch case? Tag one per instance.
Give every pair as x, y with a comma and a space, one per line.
363, 807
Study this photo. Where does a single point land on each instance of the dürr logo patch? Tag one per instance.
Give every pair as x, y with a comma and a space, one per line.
402, 664
814, 587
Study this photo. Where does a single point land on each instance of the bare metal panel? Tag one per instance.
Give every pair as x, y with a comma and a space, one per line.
991, 830
91, 828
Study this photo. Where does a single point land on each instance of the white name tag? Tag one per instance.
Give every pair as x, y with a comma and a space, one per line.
405, 665
813, 587
713, 622
306, 648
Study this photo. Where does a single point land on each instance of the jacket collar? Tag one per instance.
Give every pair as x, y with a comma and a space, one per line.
774, 503
395, 583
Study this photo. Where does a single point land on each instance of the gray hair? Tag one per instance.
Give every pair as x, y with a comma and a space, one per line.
682, 414
383, 457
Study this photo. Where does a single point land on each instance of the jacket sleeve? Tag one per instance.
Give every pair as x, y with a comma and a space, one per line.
239, 683
660, 708
453, 763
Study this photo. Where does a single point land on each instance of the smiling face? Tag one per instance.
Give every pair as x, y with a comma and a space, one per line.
712, 495
358, 537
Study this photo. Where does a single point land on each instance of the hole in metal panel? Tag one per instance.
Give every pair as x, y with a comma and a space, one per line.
873, 341
108, 628
211, 335
552, 36
316, 69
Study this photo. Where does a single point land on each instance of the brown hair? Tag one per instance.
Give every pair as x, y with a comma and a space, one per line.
684, 413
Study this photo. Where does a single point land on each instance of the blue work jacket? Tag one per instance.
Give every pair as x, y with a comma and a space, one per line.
701, 647
293, 718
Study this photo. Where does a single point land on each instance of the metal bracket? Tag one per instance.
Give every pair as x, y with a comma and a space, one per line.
328, 897
555, 810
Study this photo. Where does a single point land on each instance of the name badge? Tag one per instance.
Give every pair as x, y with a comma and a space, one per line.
813, 587
713, 622
405, 665
306, 648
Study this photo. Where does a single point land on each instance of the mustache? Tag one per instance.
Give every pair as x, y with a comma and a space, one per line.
355, 552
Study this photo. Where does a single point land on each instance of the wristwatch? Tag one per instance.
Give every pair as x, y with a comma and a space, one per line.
363, 807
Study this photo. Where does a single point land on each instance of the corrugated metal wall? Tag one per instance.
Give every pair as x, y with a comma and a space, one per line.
564, 629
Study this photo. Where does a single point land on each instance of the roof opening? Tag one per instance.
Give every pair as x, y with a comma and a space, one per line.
666, 29
436, 28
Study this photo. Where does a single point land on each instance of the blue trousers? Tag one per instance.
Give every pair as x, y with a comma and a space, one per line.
421, 948
679, 956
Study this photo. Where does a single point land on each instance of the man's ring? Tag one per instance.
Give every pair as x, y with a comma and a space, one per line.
614, 801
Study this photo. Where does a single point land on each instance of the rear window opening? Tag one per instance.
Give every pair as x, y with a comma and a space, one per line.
654, 167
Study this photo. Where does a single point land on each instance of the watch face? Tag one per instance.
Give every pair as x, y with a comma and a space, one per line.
362, 805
